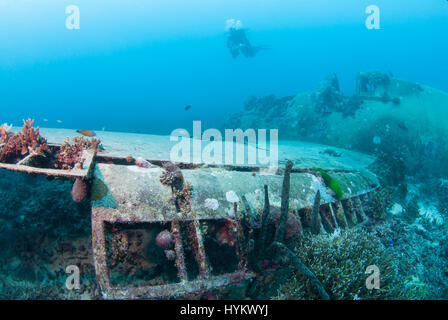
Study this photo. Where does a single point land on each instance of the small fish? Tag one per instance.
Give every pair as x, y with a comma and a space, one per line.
187, 107
87, 133
45, 120
59, 121
391, 242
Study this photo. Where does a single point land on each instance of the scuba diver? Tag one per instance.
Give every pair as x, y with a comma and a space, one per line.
237, 41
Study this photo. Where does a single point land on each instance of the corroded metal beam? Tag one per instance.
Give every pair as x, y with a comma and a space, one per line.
75, 173
203, 283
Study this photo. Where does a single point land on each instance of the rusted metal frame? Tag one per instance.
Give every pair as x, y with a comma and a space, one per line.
41, 171
182, 288
177, 290
333, 214
197, 242
241, 250
89, 162
349, 212
202, 283
343, 213
365, 198
316, 220
340, 214
88, 155
119, 160
359, 209
99, 248
100, 215
179, 249
325, 219
365, 201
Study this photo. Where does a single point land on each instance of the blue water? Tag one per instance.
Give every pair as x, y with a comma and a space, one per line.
134, 65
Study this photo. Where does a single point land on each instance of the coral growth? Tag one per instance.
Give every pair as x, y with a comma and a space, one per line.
182, 191
70, 154
172, 176
380, 203
4, 129
183, 198
340, 261
28, 147
412, 210
430, 215
28, 142
120, 246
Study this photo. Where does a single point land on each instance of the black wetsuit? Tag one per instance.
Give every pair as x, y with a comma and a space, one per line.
237, 42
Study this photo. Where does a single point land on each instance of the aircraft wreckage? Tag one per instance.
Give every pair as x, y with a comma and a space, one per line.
192, 207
